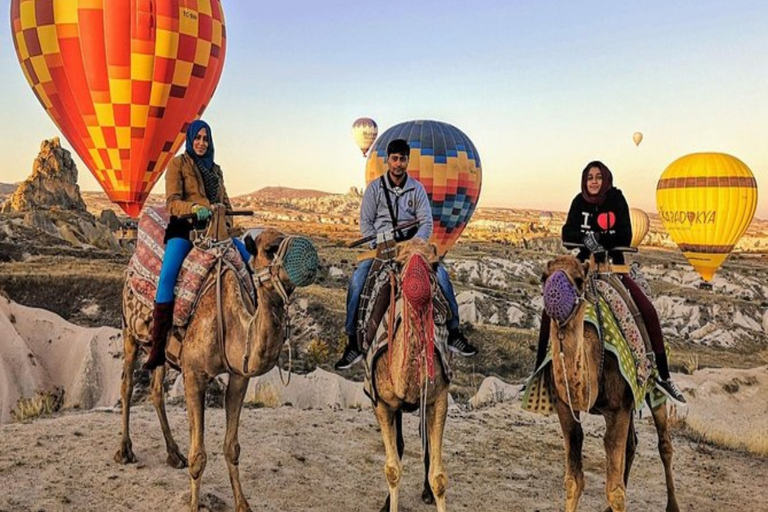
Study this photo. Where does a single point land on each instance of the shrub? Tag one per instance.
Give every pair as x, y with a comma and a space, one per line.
43, 403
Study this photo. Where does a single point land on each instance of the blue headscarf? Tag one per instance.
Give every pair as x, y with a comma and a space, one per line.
205, 161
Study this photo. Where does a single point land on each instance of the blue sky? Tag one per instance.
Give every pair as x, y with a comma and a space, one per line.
540, 87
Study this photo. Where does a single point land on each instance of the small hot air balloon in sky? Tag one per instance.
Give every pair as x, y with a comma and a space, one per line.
706, 202
446, 162
545, 219
637, 137
121, 79
364, 131
640, 225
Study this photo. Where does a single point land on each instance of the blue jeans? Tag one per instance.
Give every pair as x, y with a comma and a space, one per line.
175, 251
357, 283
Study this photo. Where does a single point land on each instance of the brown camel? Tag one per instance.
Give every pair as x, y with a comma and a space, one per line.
258, 334
403, 384
582, 387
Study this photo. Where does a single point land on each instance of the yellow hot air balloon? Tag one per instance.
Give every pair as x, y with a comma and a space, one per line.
706, 202
640, 224
364, 131
637, 137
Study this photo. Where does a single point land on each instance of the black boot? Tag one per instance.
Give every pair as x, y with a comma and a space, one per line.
664, 382
458, 343
352, 355
162, 320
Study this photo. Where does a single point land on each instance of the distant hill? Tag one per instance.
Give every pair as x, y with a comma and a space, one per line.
275, 193
6, 189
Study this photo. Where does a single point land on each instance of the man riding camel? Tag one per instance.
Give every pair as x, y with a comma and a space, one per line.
396, 198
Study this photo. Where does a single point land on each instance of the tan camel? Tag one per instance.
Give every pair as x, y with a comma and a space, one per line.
400, 384
259, 335
579, 381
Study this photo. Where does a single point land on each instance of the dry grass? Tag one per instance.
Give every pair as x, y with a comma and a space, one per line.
265, 396
317, 353
690, 364
43, 403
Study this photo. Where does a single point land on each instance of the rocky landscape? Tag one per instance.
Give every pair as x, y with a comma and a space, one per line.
61, 272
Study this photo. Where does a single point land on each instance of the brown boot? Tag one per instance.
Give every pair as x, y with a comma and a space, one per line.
162, 320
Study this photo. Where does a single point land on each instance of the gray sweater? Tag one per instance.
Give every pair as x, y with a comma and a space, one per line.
411, 203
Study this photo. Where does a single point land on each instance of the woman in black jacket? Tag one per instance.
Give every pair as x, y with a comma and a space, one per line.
599, 219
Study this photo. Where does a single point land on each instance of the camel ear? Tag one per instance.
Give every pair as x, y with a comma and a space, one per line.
251, 245
585, 266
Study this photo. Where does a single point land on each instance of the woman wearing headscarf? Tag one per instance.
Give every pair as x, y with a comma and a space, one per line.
599, 219
193, 183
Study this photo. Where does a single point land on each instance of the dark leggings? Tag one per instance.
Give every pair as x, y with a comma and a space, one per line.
647, 311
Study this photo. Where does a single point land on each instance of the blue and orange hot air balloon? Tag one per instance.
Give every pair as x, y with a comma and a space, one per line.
121, 79
447, 163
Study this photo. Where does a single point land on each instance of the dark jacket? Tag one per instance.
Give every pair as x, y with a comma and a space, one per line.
609, 221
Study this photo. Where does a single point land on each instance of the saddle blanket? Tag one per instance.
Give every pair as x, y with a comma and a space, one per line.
144, 267
539, 396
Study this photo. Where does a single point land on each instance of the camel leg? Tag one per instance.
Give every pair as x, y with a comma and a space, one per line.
194, 389
573, 438
125, 454
392, 466
175, 458
233, 402
400, 447
615, 441
630, 452
438, 480
665, 450
427, 496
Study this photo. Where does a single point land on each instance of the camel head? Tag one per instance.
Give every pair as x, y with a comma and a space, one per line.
564, 283
281, 261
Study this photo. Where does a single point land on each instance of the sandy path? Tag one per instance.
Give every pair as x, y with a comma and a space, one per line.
498, 459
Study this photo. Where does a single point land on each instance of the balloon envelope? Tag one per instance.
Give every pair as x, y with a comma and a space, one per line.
364, 131
637, 137
640, 225
446, 162
545, 219
706, 202
121, 79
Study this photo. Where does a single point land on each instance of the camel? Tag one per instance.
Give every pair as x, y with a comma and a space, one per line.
257, 335
582, 387
401, 380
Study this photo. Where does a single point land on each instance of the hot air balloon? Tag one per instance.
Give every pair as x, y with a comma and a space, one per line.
637, 137
545, 219
446, 162
364, 131
706, 202
640, 224
121, 80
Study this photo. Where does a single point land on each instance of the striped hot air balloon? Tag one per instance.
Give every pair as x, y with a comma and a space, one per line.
640, 225
706, 202
364, 131
121, 79
446, 162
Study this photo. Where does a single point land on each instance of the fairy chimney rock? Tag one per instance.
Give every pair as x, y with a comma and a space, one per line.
52, 185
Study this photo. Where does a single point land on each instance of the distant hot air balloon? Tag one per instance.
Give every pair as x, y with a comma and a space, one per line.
446, 162
637, 137
706, 202
545, 219
121, 79
640, 224
364, 131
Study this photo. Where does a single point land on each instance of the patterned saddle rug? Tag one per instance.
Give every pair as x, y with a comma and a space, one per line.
540, 396
144, 267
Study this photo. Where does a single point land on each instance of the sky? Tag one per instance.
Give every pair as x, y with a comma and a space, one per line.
541, 88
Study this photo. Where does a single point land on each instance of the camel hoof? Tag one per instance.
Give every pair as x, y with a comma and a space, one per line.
176, 460
427, 496
125, 456
385, 508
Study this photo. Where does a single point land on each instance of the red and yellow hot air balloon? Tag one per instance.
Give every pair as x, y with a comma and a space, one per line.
364, 131
446, 162
640, 225
121, 79
706, 202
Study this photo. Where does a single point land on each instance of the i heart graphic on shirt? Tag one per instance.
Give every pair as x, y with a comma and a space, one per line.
606, 220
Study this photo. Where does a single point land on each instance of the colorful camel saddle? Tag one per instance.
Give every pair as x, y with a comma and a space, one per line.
143, 270
420, 311
539, 396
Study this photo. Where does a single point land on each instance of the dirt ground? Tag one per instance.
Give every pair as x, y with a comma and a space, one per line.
498, 459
